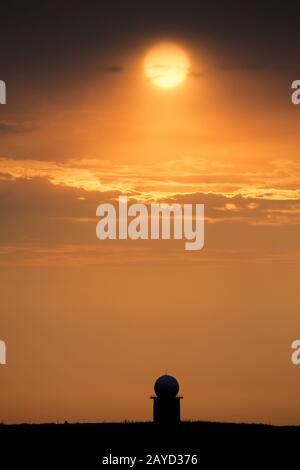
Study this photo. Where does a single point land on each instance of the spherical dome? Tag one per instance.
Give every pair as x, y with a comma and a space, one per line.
166, 386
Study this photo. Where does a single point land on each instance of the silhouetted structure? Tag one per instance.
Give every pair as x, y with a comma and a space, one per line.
166, 403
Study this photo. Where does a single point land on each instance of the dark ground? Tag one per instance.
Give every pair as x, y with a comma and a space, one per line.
84, 445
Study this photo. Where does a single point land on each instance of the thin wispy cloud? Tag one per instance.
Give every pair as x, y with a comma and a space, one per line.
16, 127
280, 181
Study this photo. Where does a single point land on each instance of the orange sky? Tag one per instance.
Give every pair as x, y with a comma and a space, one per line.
90, 324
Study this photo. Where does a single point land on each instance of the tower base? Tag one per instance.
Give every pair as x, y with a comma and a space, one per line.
166, 410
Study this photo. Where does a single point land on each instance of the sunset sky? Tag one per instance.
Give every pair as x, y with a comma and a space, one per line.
90, 324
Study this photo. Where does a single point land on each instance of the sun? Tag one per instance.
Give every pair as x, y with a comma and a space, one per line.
166, 65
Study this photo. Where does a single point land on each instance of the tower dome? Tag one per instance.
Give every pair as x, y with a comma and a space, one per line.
166, 386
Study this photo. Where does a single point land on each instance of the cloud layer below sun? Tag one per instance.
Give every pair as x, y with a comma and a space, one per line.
249, 215
280, 181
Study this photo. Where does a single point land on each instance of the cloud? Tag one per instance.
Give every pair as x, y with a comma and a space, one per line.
113, 69
195, 74
37, 198
55, 204
247, 66
228, 67
43, 223
16, 127
154, 181
256, 67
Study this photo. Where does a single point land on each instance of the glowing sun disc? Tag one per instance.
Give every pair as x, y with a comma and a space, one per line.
166, 65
